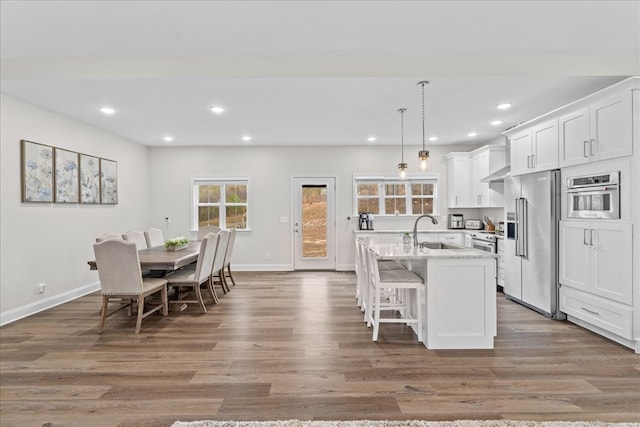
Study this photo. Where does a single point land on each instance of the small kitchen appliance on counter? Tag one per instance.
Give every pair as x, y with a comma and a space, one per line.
455, 221
365, 221
473, 224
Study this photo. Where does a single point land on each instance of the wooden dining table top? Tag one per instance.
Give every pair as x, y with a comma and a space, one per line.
159, 258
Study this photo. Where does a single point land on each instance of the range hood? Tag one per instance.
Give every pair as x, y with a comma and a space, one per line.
497, 175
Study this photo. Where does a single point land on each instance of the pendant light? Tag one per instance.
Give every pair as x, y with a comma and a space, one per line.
402, 166
423, 155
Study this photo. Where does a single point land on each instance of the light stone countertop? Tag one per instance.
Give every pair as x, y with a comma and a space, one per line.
398, 251
444, 230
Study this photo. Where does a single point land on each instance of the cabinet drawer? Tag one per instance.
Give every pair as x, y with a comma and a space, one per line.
609, 315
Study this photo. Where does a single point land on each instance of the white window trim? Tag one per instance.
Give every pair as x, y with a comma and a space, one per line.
219, 179
394, 179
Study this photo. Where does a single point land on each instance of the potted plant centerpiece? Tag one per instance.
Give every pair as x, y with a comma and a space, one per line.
176, 243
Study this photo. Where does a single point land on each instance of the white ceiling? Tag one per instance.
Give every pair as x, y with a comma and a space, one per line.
312, 72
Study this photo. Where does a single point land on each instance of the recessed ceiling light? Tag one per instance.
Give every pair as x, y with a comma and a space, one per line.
472, 134
433, 138
168, 138
246, 138
106, 110
217, 109
504, 106
371, 139
496, 122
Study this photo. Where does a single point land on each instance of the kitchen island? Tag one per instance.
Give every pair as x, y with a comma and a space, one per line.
459, 308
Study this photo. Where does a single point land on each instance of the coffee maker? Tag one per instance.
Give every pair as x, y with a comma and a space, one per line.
455, 221
365, 221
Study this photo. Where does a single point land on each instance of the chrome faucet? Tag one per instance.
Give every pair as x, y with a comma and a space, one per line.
415, 227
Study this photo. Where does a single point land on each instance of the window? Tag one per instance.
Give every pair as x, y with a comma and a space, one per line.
223, 202
390, 196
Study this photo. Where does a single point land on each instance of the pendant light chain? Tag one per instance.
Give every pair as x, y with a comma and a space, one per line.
402, 110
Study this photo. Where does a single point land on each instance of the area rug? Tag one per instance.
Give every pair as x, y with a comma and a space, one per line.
365, 423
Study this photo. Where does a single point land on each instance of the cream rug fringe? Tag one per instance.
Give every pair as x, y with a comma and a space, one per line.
416, 423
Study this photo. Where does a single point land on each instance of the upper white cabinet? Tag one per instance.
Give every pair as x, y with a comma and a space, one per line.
535, 149
459, 180
465, 172
486, 160
601, 130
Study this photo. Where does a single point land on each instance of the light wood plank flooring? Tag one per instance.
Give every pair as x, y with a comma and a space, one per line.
293, 345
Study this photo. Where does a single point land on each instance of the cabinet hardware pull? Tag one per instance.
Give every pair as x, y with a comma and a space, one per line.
528, 162
533, 161
591, 151
591, 311
591, 237
585, 149
585, 236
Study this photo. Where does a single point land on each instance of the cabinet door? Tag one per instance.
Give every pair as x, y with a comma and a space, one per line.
574, 138
611, 261
611, 127
459, 176
480, 170
574, 254
545, 146
521, 152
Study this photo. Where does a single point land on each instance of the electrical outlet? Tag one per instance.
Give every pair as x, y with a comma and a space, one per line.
41, 287
268, 257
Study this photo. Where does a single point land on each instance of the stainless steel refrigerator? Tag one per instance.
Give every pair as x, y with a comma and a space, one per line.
532, 212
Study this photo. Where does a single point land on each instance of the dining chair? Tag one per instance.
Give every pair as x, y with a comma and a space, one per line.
193, 276
121, 278
154, 237
226, 267
108, 236
136, 237
206, 229
218, 261
400, 291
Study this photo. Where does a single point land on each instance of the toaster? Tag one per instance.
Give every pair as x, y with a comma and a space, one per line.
473, 224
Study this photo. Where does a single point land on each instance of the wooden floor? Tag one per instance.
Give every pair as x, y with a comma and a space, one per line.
293, 345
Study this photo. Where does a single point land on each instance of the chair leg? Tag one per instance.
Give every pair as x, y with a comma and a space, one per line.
212, 291
199, 297
103, 313
376, 315
140, 313
230, 275
223, 279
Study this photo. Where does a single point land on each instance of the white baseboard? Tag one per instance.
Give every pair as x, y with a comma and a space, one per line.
261, 267
345, 267
47, 303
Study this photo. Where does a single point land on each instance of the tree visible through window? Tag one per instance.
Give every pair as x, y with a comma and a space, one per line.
382, 196
223, 203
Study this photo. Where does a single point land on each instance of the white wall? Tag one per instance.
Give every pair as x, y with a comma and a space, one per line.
51, 243
270, 170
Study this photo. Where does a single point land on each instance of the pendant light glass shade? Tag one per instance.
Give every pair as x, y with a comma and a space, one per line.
402, 166
423, 155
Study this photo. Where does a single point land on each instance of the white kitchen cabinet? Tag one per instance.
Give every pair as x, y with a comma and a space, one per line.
596, 257
459, 180
599, 131
486, 160
535, 149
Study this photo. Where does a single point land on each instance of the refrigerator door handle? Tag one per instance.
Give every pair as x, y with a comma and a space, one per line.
517, 226
523, 227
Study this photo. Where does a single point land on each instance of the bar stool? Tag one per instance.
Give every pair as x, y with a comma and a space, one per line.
392, 290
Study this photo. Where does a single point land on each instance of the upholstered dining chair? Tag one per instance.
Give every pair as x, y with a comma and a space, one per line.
192, 276
154, 237
121, 278
206, 229
108, 236
218, 261
136, 237
226, 267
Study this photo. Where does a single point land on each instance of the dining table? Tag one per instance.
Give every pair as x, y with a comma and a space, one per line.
161, 259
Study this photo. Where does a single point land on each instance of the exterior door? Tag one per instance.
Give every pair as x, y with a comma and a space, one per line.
314, 223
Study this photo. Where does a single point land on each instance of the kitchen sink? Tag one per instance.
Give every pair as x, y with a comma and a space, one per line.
439, 245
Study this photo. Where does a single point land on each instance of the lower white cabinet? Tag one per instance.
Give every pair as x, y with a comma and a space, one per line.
601, 312
596, 257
